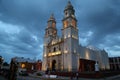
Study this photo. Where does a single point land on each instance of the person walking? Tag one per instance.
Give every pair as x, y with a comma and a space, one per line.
77, 75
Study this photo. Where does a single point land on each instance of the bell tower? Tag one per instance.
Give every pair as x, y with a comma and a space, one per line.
50, 34
69, 23
69, 17
51, 27
70, 37
50, 31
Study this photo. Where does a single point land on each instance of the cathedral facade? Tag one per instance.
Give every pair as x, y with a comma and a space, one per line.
65, 53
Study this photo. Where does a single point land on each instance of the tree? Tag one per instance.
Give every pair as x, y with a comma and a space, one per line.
1, 61
5, 64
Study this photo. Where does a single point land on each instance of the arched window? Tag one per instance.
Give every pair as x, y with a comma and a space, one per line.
53, 25
48, 32
59, 48
65, 23
73, 23
66, 13
54, 50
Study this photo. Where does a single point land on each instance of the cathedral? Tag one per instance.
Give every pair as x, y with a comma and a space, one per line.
64, 53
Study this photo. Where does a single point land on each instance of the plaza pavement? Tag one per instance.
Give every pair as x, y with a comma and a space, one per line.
2, 78
117, 77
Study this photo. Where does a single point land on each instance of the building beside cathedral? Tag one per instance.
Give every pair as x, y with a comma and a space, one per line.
65, 52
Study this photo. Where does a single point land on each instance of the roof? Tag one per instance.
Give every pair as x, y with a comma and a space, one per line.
51, 18
92, 48
22, 59
69, 6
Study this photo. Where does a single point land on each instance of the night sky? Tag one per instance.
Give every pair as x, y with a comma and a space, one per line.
23, 23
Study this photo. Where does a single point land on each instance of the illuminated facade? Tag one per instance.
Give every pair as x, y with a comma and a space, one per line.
26, 64
65, 53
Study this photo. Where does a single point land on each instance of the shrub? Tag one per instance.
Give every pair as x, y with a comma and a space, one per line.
39, 74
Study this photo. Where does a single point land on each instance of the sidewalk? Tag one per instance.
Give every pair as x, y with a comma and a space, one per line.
2, 78
117, 77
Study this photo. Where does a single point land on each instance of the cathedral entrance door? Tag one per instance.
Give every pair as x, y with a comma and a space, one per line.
53, 65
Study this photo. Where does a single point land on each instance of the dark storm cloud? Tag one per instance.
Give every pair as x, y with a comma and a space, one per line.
30, 17
31, 14
102, 17
22, 24
22, 43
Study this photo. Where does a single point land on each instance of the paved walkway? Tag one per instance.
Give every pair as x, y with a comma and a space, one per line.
66, 78
2, 78
117, 77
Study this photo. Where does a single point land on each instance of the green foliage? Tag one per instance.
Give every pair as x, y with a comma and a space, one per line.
39, 74
23, 74
5, 64
1, 59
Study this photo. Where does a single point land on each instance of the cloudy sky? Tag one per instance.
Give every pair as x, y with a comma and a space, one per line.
23, 23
